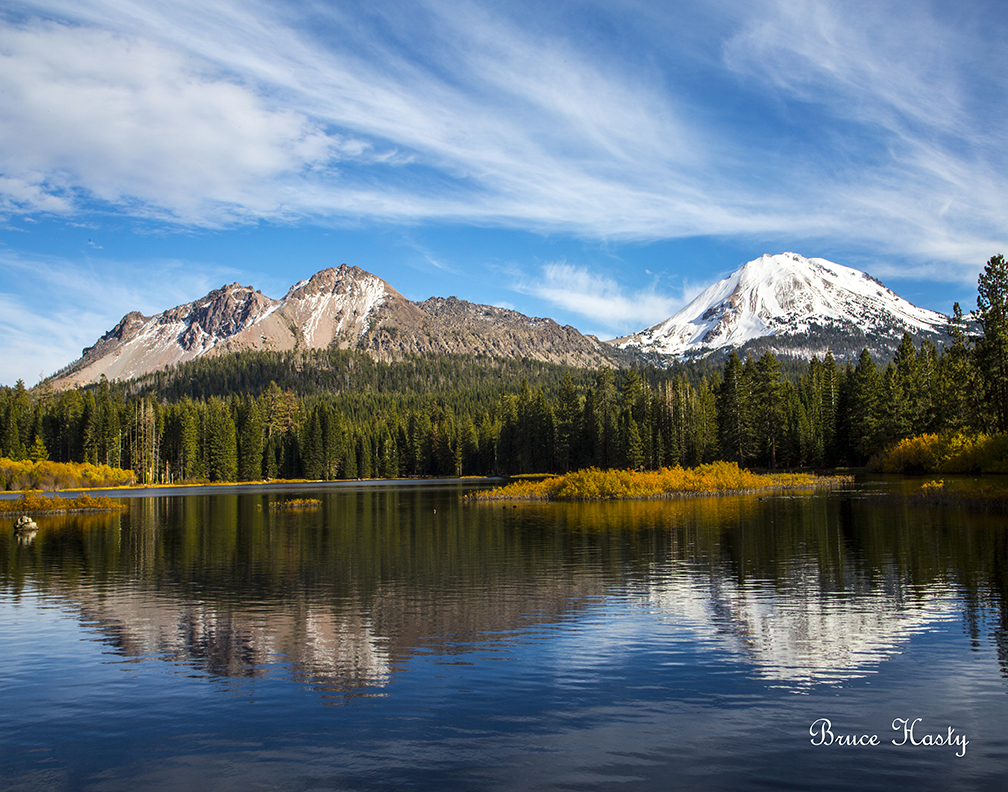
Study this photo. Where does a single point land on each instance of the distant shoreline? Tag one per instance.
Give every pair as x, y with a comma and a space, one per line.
156, 490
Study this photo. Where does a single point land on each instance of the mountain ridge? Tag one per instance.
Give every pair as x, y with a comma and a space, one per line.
784, 303
343, 307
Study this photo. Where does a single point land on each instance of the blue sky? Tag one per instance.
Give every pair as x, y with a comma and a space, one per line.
599, 163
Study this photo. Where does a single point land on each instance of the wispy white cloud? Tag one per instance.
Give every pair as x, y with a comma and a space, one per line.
918, 107
39, 342
605, 303
130, 121
218, 112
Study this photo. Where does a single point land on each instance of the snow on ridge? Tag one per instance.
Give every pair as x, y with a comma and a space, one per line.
374, 294
781, 295
329, 312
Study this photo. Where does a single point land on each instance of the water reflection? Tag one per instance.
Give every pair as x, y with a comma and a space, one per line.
804, 590
800, 635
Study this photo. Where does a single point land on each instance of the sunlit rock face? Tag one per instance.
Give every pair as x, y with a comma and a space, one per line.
791, 305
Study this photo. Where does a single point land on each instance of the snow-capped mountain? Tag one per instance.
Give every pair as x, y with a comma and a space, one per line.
342, 307
790, 305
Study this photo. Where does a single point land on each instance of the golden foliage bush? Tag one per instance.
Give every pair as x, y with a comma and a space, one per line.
28, 475
950, 452
595, 484
35, 503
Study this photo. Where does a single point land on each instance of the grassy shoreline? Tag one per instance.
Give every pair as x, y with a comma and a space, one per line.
716, 478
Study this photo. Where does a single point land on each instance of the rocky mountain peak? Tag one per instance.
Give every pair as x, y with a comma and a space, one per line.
218, 316
343, 279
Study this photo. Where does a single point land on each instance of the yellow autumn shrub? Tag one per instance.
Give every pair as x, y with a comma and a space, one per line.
28, 475
595, 484
948, 452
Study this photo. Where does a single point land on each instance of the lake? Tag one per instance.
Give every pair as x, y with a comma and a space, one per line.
401, 637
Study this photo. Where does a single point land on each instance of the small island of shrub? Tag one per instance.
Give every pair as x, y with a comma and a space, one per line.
294, 504
716, 478
36, 503
984, 499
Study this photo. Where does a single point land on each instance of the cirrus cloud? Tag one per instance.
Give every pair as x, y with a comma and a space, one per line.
877, 126
601, 299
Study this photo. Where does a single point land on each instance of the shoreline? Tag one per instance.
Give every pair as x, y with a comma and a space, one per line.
239, 487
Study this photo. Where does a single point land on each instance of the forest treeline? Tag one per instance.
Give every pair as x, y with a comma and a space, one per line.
342, 415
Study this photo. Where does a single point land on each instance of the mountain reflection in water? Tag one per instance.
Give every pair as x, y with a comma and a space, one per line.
806, 590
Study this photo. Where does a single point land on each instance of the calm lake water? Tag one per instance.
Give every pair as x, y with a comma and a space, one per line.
400, 637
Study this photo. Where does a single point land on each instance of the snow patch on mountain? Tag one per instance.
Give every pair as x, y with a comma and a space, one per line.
335, 303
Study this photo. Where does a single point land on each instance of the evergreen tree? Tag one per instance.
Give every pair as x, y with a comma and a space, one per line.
675, 424
468, 446
250, 441
895, 419
811, 430
113, 436
768, 403
189, 435
12, 448
733, 411
865, 403
349, 459
312, 445
388, 465
992, 347
20, 420
543, 441
901, 402
221, 442
364, 456
38, 452
568, 409
925, 389
591, 433
92, 432
703, 436
444, 451
955, 402
489, 442
606, 452
633, 446
830, 390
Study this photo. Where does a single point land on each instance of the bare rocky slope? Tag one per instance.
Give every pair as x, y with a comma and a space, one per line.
342, 307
